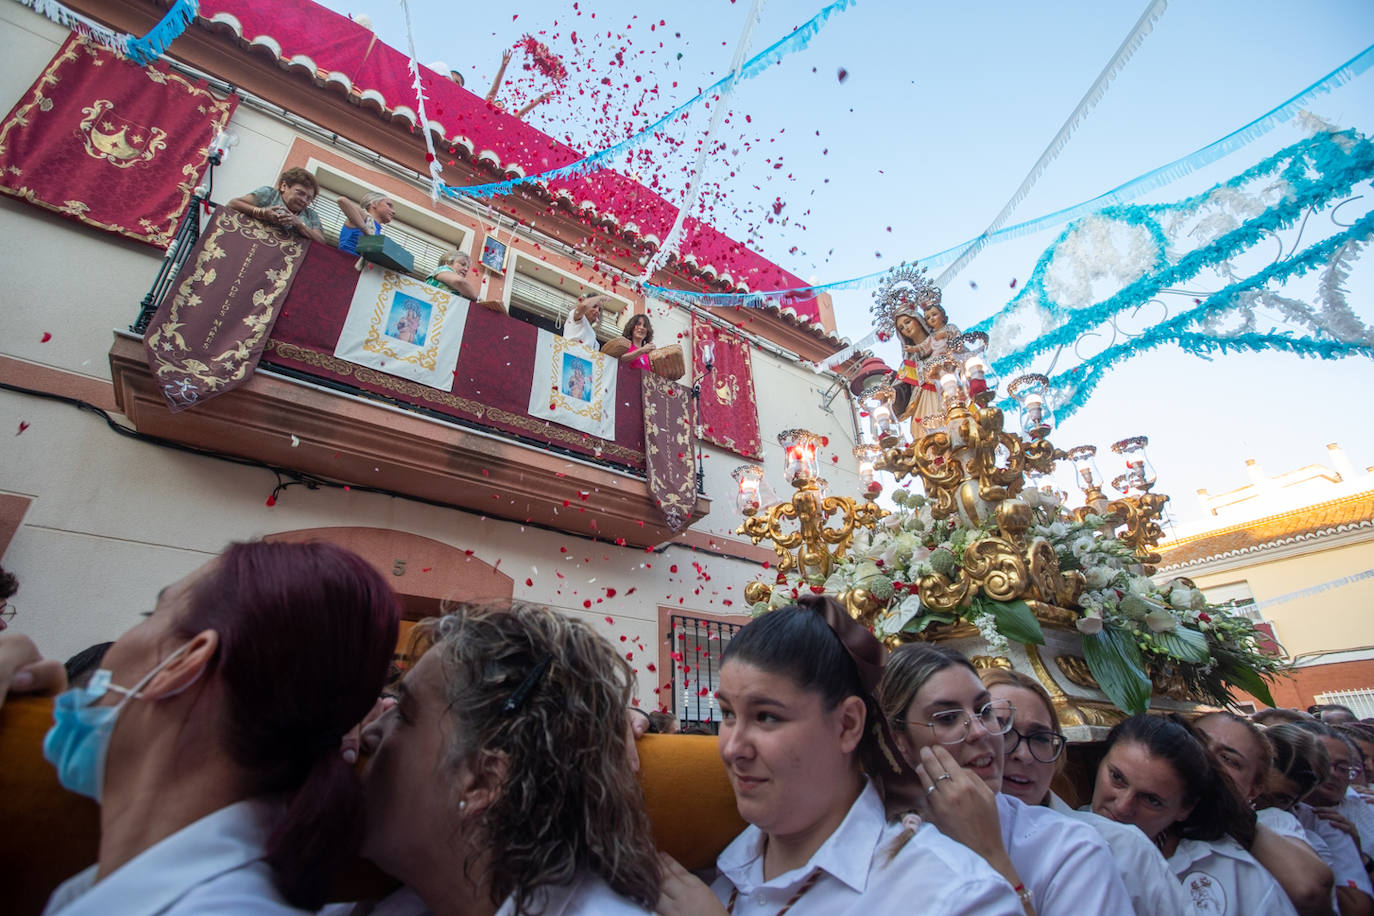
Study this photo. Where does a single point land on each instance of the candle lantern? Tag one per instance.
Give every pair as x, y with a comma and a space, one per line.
1140, 474
750, 480
951, 383
979, 378
1031, 393
822, 487
799, 450
1087, 476
881, 418
867, 456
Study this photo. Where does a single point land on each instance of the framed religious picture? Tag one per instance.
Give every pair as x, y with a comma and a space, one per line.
494, 255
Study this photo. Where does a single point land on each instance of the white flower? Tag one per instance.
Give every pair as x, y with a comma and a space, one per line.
1160, 621
1181, 597
1089, 623
1099, 576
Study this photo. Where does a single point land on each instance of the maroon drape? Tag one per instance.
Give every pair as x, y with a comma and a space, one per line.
729, 413
114, 145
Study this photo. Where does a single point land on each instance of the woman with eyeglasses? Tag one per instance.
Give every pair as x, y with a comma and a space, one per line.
1158, 776
497, 783
953, 730
809, 760
1242, 750
1034, 749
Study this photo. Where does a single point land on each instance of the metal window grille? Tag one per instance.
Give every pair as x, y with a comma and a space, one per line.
1360, 701
699, 643
426, 248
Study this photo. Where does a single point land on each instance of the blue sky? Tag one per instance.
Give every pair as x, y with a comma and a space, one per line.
941, 112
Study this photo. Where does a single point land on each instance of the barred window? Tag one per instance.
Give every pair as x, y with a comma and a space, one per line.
700, 642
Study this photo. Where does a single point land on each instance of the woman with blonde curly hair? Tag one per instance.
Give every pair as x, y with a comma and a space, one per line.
498, 782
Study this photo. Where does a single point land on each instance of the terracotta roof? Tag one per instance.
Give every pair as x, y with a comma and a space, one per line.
1345, 514
340, 55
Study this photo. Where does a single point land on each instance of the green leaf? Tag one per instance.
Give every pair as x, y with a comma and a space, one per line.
921, 621
1014, 620
1184, 644
1114, 659
1249, 680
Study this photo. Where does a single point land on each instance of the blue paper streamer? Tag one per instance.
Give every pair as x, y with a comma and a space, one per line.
149, 48
796, 40
1129, 190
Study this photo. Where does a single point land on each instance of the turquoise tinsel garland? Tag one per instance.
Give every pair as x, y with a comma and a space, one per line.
1318, 171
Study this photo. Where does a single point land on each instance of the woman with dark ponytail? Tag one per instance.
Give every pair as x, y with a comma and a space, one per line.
1158, 775
211, 735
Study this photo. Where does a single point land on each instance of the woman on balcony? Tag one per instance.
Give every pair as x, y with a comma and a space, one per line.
453, 274
804, 759
367, 217
499, 781
951, 729
287, 205
1034, 754
637, 341
211, 735
1158, 776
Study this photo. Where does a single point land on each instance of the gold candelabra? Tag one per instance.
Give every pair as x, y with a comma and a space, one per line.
816, 543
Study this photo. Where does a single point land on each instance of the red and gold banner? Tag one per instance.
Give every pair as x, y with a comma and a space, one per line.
729, 413
209, 334
669, 448
109, 143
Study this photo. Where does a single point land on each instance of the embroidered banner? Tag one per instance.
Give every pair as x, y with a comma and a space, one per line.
404, 327
574, 386
207, 337
729, 413
670, 448
109, 143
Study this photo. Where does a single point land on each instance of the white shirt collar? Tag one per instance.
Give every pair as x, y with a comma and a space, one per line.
157, 877
846, 854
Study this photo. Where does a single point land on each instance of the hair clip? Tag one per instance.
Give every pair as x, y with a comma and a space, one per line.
517, 699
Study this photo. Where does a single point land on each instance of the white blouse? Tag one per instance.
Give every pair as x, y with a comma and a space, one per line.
1151, 886
864, 872
580, 329
1221, 878
214, 865
1065, 864
1336, 848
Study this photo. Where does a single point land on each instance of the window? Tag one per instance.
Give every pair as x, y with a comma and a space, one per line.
696, 678
538, 297
1235, 597
426, 248
423, 232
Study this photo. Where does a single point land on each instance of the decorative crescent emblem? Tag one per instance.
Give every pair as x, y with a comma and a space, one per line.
117, 140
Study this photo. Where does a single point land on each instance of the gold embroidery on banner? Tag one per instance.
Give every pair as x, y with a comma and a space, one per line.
39, 100
166, 341
727, 390
587, 410
117, 140
377, 338
401, 386
679, 503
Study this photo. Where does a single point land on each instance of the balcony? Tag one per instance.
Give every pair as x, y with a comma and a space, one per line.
474, 447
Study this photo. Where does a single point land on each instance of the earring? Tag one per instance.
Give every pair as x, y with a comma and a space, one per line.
462, 805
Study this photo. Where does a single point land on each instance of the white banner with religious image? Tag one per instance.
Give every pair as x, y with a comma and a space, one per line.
574, 386
404, 327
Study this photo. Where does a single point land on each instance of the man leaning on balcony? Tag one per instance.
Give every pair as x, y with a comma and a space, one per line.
581, 323
287, 205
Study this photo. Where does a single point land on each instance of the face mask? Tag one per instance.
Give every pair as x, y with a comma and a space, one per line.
80, 737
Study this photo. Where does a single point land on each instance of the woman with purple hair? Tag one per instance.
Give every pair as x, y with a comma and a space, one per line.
211, 734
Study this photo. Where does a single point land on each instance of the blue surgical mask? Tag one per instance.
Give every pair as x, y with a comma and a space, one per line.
80, 736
